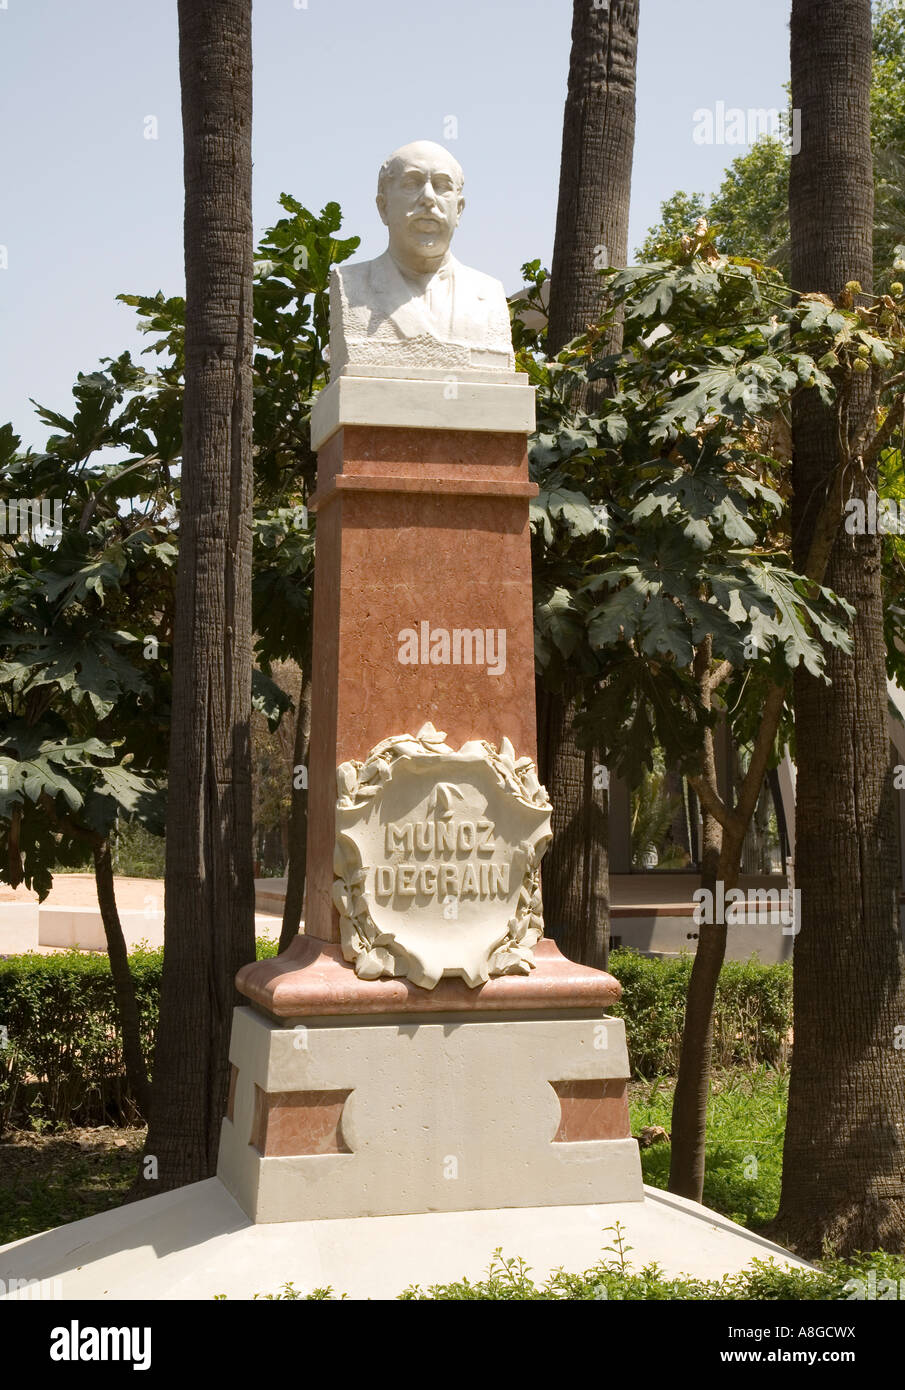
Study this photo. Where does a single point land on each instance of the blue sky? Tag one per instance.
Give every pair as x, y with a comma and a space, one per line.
90, 208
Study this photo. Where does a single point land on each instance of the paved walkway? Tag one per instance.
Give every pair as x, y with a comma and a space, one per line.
79, 890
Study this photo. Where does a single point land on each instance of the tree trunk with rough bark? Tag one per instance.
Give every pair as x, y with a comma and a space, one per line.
595, 176
209, 878
844, 1159
591, 233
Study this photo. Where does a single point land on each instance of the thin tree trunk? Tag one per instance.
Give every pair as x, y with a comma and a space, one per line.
591, 232
127, 1009
844, 1159
123, 983
689, 1107
298, 819
576, 878
723, 838
209, 879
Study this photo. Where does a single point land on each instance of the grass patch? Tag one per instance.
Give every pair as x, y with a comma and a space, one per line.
746, 1118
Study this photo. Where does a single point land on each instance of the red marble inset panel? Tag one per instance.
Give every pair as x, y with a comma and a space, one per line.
596, 1109
298, 1122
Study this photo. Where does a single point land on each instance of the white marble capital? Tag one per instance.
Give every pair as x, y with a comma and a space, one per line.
419, 399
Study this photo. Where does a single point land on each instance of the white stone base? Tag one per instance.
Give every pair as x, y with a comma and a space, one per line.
18, 928
83, 927
448, 1113
29, 926
457, 399
196, 1242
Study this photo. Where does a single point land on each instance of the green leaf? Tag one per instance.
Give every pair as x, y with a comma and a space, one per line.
268, 698
557, 619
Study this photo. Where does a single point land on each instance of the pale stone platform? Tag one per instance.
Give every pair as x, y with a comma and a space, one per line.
71, 918
197, 1242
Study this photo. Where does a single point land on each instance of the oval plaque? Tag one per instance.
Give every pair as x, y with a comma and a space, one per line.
436, 863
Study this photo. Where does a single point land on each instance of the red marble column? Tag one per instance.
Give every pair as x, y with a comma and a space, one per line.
414, 526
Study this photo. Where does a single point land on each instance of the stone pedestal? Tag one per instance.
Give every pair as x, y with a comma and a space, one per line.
384, 1115
358, 1095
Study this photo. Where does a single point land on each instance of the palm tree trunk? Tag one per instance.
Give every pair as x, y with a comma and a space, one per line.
844, 1159
123, 983
209, 880
595, 176
591, 232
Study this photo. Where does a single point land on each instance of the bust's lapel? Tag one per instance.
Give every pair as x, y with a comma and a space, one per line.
392, 298
469, 304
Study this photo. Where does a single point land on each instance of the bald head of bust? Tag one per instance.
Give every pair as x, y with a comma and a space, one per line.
420, 201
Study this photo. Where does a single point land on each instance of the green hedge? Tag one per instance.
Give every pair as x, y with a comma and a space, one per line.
62, 1063
751, 1023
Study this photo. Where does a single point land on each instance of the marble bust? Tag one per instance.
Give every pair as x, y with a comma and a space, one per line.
416, 305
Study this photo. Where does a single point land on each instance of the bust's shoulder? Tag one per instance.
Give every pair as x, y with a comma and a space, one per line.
357, 278
481, 285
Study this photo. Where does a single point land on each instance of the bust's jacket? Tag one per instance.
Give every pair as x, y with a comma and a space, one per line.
372, 302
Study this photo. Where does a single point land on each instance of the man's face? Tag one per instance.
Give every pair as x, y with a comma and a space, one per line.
421, 205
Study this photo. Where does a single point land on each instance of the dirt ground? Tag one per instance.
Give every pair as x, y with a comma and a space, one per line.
48, 1179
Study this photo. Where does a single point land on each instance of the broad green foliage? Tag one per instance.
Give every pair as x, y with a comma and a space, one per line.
888, 90
662, 517
282, 583
661, 520
677, 213
84, 708
86, 620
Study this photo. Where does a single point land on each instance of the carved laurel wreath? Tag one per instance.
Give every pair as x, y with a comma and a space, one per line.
358, 782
